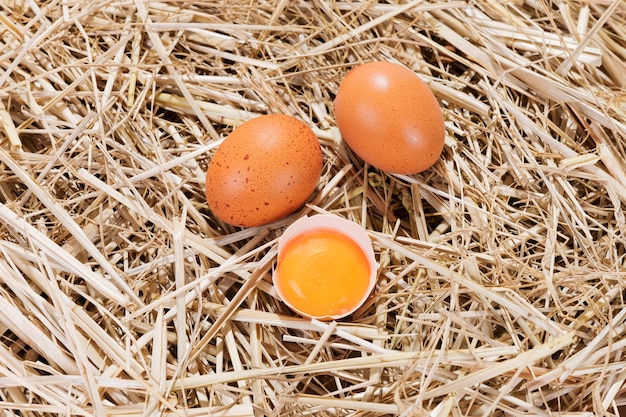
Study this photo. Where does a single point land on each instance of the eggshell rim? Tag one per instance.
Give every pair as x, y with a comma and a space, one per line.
347, 228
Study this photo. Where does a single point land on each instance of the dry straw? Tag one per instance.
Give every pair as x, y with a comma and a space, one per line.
501, 268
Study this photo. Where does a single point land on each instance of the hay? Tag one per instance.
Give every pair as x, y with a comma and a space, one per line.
501, 268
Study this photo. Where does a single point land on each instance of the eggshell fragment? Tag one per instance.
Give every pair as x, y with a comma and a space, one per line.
390, 118
336, 273
264, 170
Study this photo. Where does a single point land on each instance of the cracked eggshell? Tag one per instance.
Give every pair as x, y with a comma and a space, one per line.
324, 297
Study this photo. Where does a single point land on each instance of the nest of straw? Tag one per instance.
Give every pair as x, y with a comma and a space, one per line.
501, 268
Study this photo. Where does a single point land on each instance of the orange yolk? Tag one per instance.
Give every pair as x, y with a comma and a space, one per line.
322, 273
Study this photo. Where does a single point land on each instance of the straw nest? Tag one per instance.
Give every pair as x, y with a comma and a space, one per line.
501, 268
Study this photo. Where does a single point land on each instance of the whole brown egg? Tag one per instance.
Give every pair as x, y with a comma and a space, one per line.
264, 170
390, 118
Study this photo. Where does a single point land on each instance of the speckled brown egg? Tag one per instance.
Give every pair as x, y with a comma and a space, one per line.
264, 170
390, 118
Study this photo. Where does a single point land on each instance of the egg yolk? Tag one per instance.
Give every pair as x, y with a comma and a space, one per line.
322, 273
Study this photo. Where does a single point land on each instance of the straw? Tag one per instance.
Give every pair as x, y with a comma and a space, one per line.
500, 270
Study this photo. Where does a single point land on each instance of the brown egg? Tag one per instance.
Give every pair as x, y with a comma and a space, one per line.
264, 170
389, 117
